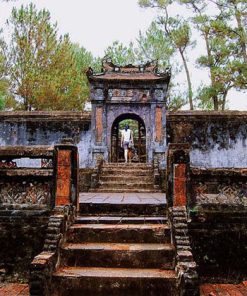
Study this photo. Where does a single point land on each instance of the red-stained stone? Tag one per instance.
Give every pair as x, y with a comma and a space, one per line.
64, 158
158, 124
99, 124
63, 177
179, 185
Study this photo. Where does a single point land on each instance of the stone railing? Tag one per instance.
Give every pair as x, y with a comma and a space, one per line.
52, 179
177, 184
32, 198
62, 216
27, 187
44, 264
218, 187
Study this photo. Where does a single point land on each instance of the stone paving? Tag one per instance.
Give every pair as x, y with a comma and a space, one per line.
224, 289
14, 289
123, 198
205, 290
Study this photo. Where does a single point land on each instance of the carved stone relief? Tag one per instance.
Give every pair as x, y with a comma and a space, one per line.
25, 192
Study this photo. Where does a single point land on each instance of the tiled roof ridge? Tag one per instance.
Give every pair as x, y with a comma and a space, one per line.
109, 69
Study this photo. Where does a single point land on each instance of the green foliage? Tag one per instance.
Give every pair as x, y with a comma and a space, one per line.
120, 54
46, 72
225, 57
153, 45
154, 3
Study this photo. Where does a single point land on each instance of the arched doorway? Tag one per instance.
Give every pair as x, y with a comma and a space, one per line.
138, 153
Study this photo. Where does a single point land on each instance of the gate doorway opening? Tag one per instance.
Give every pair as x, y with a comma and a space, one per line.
138, 152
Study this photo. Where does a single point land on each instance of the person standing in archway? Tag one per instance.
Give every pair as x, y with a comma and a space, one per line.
127, 141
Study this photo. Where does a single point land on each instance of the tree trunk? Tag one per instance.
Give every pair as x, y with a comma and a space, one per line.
212, 77
188, 79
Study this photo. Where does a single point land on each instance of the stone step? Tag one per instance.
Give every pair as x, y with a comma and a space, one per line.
113, 281
118, 209
120, 220
118, 255
130, 172
121, 233
126, 178
126, 190
127, 165
124, 184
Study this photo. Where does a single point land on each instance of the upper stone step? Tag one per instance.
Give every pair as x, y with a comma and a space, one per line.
123, 209
126, 184
127, 165
122, 204
119, 233
126, 177
93, 281
125, 255
126, 171
120, 220
125, 190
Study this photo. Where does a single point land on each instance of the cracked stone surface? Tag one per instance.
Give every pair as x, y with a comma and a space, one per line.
123, 198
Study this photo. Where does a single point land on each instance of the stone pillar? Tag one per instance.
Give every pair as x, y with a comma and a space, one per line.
66, 174
160, 135
177, 175
179, 185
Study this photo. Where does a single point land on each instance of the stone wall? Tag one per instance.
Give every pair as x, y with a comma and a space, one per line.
46, 128
218, 216
219, 238
218, 139
22, 235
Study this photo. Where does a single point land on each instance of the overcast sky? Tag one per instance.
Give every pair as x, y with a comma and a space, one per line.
95, 24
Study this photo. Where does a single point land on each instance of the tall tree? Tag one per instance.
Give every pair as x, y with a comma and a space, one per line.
236, 9
42, 67
177, 31
154, 45
222, 52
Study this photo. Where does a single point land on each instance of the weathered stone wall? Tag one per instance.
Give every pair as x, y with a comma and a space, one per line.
218, 139
22, 234
46, 128
219, 238
218, 215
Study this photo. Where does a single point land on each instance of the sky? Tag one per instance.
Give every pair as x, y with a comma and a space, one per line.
95, 24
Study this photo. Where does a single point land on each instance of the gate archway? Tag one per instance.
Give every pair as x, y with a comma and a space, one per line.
137, 125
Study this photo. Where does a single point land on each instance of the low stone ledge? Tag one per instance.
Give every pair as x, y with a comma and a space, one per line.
26, 172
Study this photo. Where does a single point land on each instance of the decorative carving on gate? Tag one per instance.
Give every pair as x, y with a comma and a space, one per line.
47, 163
29, 193
7, 164
222, 193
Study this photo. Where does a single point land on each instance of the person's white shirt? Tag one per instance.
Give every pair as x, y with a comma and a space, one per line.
126, 135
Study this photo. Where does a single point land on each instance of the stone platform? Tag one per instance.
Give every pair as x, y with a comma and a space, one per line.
123, 198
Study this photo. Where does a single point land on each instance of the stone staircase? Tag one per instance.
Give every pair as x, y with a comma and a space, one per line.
126, 177
109, 252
